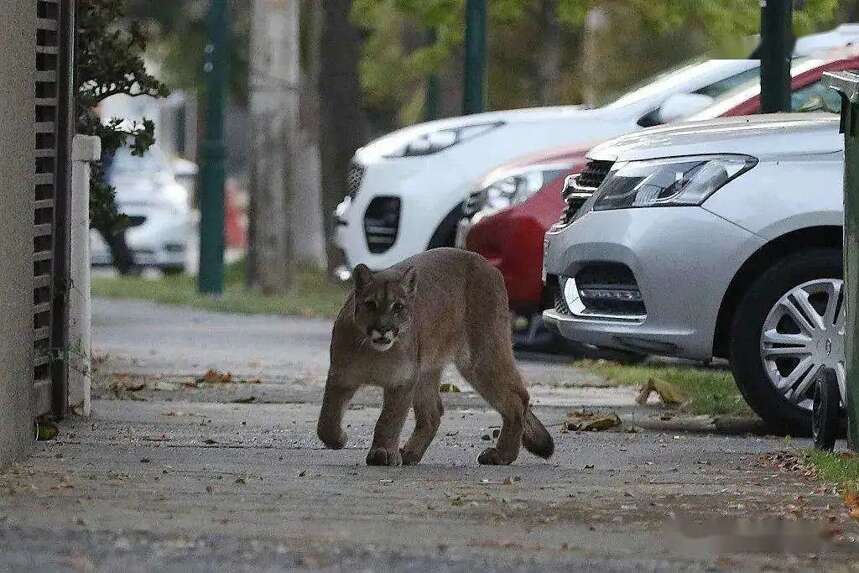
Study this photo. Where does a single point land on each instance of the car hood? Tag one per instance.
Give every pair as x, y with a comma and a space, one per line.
763, 136
390, 143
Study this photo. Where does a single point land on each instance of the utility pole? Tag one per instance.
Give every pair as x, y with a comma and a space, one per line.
432, 89
474, 98
775, 53
274, 104
210, 279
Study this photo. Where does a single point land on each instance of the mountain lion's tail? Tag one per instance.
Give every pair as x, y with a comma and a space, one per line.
536, 438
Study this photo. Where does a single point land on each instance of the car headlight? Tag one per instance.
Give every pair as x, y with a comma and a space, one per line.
514, 188
668, 182
436, 141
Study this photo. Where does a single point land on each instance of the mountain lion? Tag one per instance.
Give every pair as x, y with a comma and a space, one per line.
400, 327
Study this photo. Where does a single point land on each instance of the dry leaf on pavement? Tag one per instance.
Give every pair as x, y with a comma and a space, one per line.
668, 393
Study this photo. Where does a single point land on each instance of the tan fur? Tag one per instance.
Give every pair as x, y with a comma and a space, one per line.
445, 306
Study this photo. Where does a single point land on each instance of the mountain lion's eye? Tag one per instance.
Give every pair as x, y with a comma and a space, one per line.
397, 307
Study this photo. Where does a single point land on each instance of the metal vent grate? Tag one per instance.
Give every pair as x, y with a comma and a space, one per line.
52, 80
353, 179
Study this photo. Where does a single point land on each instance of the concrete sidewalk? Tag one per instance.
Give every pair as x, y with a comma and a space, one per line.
188, 480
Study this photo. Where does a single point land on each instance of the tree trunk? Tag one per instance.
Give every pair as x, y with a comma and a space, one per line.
123, 258
306, 218
342, 126
274, 104
549, 67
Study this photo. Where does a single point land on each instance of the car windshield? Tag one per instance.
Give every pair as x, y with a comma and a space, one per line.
752, 88
151, 163
663, 83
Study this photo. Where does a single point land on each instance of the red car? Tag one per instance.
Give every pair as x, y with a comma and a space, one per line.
511, 238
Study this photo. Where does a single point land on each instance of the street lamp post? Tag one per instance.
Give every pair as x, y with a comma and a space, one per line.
775, 52
473, 99
210, 279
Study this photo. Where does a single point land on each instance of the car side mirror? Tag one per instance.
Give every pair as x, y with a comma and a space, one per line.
680, 106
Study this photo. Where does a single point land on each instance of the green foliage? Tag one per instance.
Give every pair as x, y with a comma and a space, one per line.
179, 30
643, 37
109, 62
842, 469
312, 295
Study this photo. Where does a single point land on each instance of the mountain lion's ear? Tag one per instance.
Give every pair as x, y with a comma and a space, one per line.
410, 281
362, 277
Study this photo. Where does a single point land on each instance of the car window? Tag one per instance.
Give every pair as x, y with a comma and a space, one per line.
815, 97
725, 85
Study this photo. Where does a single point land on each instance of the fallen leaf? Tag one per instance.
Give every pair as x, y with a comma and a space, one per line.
851, 500
241, 481
46, 431
448, 387
668, 393
213, 376
585, 421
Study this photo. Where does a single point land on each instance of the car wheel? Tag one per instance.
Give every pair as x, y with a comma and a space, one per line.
787, 329
826, 412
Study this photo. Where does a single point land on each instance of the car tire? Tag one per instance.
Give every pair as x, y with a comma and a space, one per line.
445, 233
747, 365
826, 416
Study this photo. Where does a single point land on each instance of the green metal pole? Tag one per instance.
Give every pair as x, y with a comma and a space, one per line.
211, 276
851, 266
432, 92
776, 34
847, 85
473, 99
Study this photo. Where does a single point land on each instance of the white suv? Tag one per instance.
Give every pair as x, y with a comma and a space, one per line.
405, 189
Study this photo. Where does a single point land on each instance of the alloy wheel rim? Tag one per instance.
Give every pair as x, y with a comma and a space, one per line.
802, 335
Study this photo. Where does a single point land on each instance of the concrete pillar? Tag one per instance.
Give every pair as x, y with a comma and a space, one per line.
85, 149
17, 142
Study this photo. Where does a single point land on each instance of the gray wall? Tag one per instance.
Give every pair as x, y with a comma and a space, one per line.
17, 144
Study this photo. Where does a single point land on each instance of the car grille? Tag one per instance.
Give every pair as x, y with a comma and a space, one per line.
610, 289
382, 223
579, 188
353, 178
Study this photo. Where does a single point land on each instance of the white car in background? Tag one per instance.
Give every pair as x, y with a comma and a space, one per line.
405, 190
158, 210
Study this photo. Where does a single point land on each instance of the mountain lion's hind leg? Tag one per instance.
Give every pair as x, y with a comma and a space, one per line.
428, 413
498, 381
385, 450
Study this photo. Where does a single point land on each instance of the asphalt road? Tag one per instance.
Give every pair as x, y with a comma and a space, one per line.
180, 478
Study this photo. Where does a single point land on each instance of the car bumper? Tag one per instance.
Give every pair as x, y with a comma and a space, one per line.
428, 189
161, 241
682, 260
513, 243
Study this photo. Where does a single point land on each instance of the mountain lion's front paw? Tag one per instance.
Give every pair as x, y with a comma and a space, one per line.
410, 458
383, 457
492, 457
333, 439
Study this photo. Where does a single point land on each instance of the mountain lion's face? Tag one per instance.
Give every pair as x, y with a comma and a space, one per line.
383, 305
